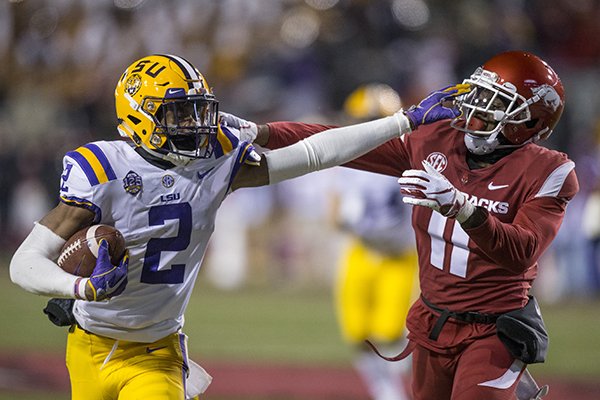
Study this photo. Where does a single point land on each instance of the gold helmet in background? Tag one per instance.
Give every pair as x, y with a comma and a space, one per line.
373, 100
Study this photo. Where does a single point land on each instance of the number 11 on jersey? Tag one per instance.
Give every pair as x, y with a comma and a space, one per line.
459, 242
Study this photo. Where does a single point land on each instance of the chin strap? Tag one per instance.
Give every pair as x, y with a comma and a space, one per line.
177, 159
155, 158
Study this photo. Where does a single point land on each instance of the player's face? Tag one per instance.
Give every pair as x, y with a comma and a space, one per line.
489, 101
185, 114
190, 114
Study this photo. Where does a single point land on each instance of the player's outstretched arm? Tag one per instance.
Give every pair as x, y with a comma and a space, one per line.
340, 145
436, 106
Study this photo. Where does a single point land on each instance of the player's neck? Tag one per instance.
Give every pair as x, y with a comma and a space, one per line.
476, 161
152, 159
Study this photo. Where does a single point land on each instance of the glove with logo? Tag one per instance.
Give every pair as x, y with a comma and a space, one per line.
106, 281
248, 129
431, 189
432, 108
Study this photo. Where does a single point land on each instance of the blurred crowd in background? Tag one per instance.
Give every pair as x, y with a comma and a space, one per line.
285, 60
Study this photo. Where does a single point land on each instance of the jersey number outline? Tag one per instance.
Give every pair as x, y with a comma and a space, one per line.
65, 176
459, 255
157, 216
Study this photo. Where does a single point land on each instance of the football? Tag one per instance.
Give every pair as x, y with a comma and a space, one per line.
78, 255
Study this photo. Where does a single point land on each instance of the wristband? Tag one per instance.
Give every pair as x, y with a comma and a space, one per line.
79, 288
465, 212
404, 122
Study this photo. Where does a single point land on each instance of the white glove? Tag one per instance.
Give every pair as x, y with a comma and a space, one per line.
431, 189
248, 129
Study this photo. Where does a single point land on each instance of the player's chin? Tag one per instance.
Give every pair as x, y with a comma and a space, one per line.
476, 124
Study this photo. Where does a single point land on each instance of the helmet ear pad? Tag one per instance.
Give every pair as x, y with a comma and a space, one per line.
520, 133
538, 128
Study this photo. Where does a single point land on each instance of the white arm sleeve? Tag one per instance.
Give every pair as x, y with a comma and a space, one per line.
333, 147
32, 266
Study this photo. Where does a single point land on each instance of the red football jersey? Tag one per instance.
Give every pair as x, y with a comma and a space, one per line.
489, 268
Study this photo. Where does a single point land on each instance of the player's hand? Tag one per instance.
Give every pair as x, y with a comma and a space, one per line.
431, 189
107, 280
248, 129
437, 106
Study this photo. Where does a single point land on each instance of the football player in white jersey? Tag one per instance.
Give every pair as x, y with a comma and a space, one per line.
162, 189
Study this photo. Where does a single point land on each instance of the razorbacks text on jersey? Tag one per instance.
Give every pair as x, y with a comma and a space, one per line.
166, 217
527, 192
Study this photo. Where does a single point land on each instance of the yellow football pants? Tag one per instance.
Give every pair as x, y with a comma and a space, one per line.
102, 369
374, 293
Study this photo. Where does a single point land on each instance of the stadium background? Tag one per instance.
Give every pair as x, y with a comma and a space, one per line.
262, 309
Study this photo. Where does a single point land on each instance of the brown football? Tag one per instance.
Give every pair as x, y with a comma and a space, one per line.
78, 255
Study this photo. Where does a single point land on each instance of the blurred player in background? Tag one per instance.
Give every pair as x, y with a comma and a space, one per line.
488, 202
162, 189
376, 279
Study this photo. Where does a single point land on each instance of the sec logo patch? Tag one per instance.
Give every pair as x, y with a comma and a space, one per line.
437, 161
168, 181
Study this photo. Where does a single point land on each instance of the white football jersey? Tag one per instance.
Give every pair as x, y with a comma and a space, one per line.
166, 217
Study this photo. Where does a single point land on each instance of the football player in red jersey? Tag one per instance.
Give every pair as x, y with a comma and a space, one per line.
488, 201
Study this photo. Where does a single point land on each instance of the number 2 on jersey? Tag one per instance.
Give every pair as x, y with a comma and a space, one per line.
181, 212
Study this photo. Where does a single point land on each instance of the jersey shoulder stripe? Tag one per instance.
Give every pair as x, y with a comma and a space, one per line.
226, 141
555, 181
94, 164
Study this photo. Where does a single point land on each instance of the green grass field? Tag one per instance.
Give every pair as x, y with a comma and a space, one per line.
269, 325
254, 325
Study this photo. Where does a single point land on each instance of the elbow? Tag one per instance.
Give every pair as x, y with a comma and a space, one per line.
520, 266
21, 270
16, 275
523, 260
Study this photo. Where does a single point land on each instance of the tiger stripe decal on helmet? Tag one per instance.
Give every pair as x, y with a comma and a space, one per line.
193, 78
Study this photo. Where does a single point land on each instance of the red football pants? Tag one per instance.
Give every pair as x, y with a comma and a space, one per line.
483, 370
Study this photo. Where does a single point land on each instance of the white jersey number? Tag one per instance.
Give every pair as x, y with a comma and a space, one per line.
459, 241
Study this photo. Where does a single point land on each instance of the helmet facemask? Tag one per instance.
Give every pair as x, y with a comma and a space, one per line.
487, 109
186, 127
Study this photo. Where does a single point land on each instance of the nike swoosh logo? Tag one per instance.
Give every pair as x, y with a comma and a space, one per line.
174, 91
201, 176
153, 349
491, 186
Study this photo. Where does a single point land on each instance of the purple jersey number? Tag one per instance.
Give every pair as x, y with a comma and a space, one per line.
157, 216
